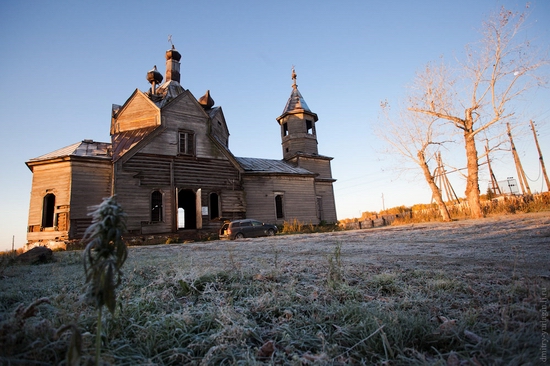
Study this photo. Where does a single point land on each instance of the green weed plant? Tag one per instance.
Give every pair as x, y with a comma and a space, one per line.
104, 256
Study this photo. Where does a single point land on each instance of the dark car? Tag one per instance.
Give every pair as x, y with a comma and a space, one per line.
246, 228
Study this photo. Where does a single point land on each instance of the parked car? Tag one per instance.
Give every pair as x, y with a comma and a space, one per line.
246, 228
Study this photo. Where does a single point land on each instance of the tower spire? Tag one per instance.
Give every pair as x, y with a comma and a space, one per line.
297, 125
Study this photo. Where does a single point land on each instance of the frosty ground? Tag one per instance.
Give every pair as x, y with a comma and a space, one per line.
469, 292
510, 245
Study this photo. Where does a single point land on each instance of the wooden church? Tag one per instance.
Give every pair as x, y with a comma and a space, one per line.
171, 169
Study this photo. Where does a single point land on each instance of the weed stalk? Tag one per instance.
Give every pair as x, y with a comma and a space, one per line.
104, 255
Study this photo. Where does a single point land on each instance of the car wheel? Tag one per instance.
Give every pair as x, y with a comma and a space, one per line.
270, 232
239, 236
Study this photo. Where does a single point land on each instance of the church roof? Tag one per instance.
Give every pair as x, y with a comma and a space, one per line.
124, 141
166, 92
84, 148
296, 102
258, 165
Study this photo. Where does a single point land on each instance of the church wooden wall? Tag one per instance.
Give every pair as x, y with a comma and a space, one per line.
219, 129
48, 178
93, 179
299, 198
319, 165
326, 191
159, 166
139, 113
144, 173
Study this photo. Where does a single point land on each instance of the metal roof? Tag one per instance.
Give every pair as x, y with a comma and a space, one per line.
84, 148
296, 102
124, 141
257, 165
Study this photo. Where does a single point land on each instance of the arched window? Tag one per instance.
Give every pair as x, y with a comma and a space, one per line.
279, 206
156, 206
214, 206
48, 208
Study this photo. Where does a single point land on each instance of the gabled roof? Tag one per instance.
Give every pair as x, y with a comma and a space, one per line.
257, 165
84, 148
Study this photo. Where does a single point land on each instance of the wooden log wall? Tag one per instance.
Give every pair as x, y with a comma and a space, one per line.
52, 178
326, 191
144, 173
139, 112
299, 198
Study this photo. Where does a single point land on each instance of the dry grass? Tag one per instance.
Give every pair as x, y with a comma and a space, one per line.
467, 292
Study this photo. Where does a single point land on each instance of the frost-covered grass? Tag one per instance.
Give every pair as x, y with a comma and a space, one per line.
468, 291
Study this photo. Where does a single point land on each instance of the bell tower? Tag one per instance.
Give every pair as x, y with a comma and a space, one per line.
297, 123
299, 141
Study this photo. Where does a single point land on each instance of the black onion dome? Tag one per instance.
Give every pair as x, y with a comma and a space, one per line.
173, 54
153, 76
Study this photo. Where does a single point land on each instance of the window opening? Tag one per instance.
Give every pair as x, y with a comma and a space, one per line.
279, 206
285, 129
48, 208
214, 206
309, 126
156, 206
187, 143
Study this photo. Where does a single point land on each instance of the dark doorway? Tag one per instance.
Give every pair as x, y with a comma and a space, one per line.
279, 206
48, 209
214, 206
187, 201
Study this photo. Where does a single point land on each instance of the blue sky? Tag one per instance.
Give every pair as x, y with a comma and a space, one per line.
65, 63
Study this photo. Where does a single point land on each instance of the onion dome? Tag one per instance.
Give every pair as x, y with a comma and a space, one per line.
153, 76
173, 54
206, 100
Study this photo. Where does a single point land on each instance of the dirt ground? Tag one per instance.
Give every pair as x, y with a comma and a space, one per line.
513, 245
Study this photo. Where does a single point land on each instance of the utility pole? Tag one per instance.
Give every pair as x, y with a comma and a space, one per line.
540, 157
521, 174
444, 185
383, 205
494, 185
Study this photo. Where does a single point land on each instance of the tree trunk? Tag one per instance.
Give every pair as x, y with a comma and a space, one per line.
472, 182
436, 192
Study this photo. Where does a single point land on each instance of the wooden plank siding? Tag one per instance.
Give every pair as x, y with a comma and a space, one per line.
77, 184
144, 173
317, 164
299, 198
159, 166
138, 112
91, 180
52, 178
134, 199
184, 114
325, 190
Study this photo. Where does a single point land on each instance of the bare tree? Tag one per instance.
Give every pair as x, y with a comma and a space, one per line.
414, 137
497, 71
